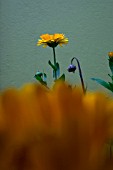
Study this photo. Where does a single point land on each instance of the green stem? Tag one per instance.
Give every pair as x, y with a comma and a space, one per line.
80, 74
54, 55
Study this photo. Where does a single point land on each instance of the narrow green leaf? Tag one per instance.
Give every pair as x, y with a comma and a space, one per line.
44, 77
110, 76
111, 85
57, 69
53, 67
40, 79
53, 73
102, 82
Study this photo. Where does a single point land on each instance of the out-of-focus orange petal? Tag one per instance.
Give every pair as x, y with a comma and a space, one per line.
57, 128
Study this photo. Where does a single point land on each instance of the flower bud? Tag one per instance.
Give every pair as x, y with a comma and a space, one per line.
110, 54
71, 68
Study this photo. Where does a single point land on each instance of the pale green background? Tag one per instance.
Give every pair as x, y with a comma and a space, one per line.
87, 23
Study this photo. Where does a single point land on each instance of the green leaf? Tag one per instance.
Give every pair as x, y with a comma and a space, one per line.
53, 73
110, 76
40, 79
111, 85
39, 73
62, 77
57, 69
53, 67
103, 83
44, 77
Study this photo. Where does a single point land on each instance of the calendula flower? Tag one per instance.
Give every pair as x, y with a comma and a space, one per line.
52, 40
52, 129
110, 54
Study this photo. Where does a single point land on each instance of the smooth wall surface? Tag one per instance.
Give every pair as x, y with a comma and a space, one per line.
87, 23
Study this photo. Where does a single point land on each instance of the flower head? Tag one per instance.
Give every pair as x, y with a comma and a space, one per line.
52, 40
110, 54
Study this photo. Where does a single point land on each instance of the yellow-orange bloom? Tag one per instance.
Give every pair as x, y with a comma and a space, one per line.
110, 54
59, 128
52, 40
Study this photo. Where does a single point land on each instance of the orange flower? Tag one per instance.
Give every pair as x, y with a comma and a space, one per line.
59, 128
110, 54
52, 40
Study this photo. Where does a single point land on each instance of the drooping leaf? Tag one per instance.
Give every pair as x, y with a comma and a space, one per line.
103, 83
39, 73
40, 79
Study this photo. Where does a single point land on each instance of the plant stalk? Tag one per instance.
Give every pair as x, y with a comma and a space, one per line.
54, 55
80, 74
